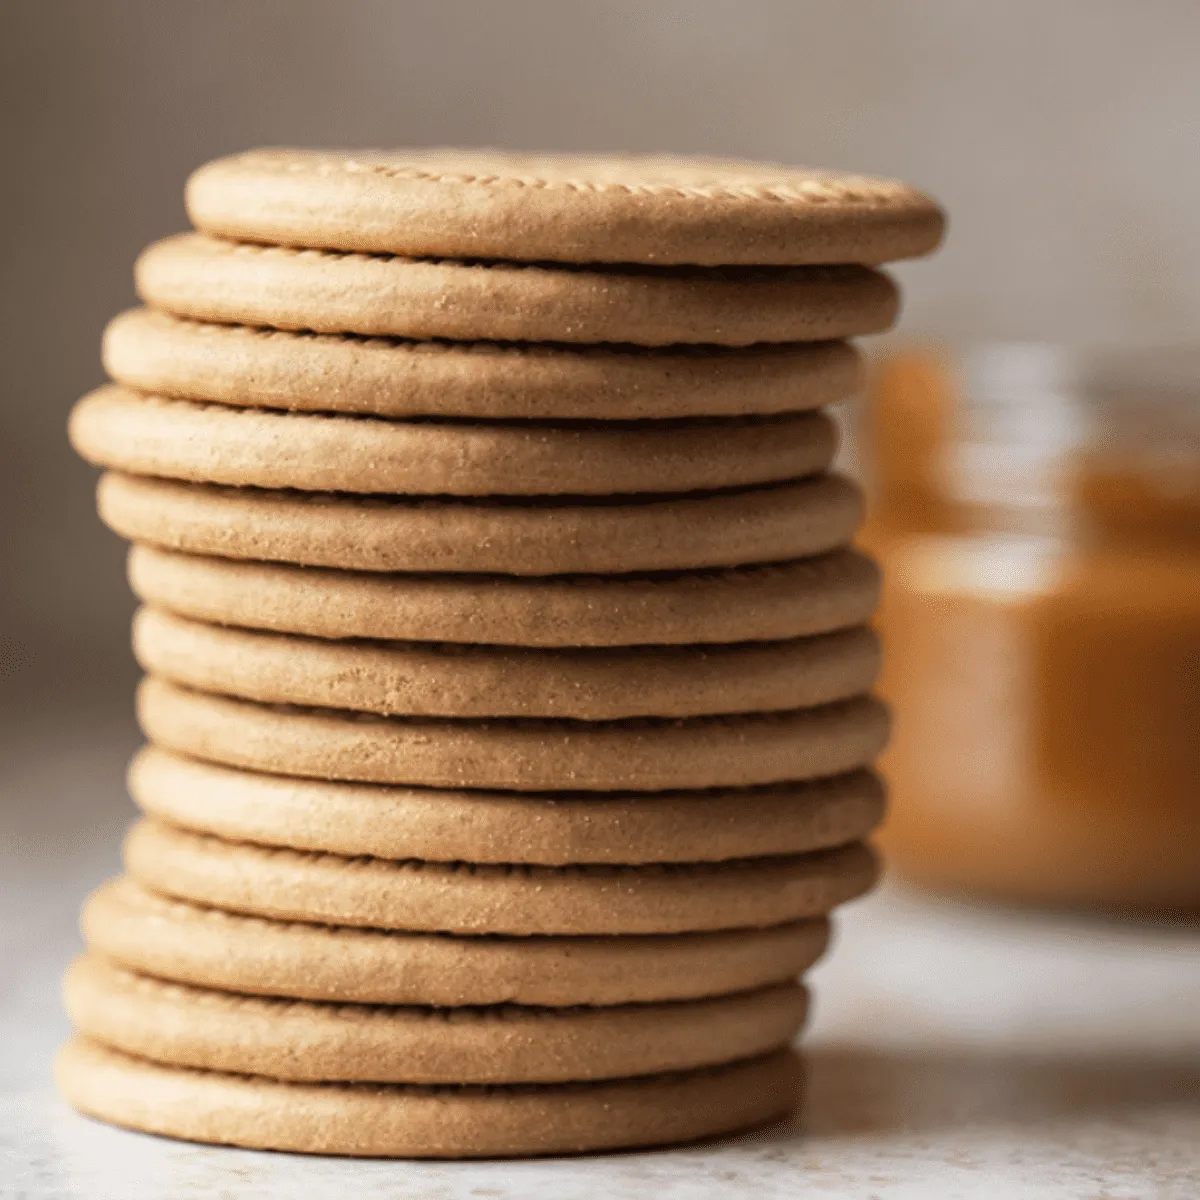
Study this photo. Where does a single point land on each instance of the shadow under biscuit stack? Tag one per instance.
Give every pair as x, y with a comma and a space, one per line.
508, 667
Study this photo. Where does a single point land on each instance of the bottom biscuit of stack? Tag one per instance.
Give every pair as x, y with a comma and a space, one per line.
406, 1121
269, 994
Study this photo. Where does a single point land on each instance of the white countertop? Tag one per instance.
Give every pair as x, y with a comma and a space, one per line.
954, 1052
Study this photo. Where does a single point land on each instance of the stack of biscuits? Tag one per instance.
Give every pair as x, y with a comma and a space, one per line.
508, 667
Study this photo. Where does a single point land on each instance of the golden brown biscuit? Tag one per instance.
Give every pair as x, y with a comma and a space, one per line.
422, 679
718, 529
555, 829
465, 898
577, 208
419, 1122
390, 377
527, 755
767, 603
306, 1042
204, 278
188, 943
316, 452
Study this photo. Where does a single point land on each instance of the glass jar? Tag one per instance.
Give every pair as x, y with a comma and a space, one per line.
1043, 634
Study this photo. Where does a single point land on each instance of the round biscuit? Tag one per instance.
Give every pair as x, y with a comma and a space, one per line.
577, 207
473, 899
520, 755
393, 377
408, 1121
774, 602
207, 279
455, 825
418, 679
188, 943
142, 434
550, 537
303, 1041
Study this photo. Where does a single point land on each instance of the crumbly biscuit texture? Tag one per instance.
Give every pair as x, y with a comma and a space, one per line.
392, 377
468, 899
207, 279
580, 208
719, 529
420, 1122
423, 680
455, 825
188, 943
246, 447
519, 755
306, 1042
801, 598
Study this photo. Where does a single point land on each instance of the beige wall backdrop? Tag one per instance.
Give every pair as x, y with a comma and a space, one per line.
1061, 134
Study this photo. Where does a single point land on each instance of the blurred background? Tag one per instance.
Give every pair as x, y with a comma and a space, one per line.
1061, 138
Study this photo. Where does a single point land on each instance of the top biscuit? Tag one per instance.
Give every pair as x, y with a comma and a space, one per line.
562, 208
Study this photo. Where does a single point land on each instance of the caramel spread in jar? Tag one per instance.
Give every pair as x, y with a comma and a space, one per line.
1043, 644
